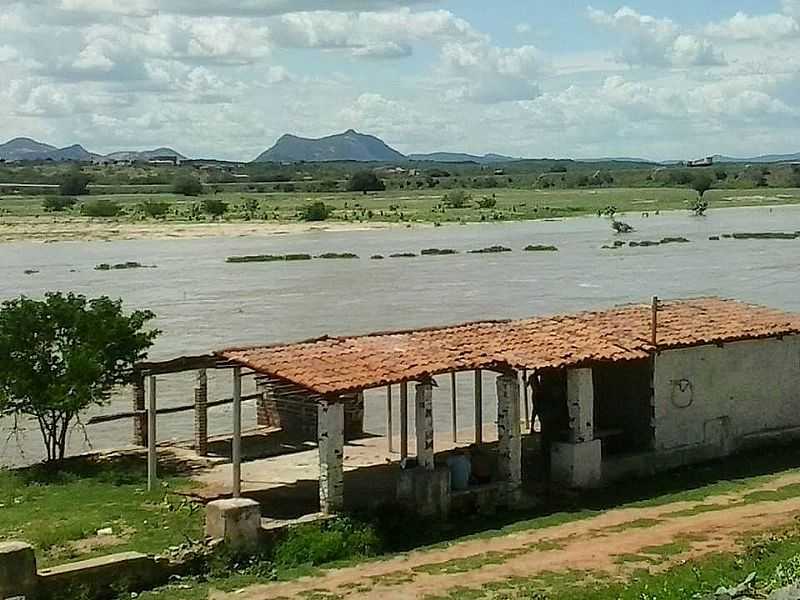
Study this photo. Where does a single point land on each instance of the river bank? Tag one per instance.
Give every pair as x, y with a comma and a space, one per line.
23, 219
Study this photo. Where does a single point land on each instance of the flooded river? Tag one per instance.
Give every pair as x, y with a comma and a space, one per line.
203, 303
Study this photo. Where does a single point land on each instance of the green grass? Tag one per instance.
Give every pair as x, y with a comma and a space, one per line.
423, 206
55, 511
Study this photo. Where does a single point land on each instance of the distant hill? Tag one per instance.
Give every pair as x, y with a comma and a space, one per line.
28, 149
347, 146
459, 157
766, 158
144, 154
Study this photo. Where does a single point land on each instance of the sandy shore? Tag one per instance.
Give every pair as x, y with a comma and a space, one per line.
47, 230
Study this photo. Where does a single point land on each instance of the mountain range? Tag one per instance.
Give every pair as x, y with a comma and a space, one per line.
22, 148
348, 146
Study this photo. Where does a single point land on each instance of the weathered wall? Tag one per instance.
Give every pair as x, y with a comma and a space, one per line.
719, 395
294, 410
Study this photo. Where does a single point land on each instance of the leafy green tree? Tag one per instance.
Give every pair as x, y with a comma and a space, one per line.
64, 354
74, 183
187, 185
100, 207
365, 181
58, 203
318, 211
214, 207
701, 183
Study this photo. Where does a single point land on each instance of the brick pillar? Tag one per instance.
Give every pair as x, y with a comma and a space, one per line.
424, 425
140, 420
509, 446
201, 414
580, 402
330, 432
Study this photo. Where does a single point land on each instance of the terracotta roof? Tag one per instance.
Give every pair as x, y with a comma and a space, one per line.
345, 364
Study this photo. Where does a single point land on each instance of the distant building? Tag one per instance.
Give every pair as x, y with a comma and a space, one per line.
702, 162
164, 161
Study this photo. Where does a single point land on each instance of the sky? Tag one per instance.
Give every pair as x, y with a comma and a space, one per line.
224, 79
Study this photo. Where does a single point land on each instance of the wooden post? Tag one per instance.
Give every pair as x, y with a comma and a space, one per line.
654, 339
454, 402
236, 449
152, 458
478, 407
139, 406
389, 419
403, 420
525, 400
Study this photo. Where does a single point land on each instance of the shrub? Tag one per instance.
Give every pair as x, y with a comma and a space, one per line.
487, 202
214, 207
58, 203
699, 206
101, 207
620, 227
187, 185
340, 539
154, 208
365, 181
318, 211
456, 199
74, 183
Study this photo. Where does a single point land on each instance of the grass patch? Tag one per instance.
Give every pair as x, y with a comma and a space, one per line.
637, 524
55, 511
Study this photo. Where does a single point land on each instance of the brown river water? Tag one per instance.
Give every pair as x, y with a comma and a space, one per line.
204, 304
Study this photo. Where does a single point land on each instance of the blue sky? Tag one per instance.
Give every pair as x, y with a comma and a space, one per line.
661, 80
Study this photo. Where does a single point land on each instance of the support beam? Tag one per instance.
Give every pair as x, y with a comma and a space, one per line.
509, 446
403, 420
478, 406
236, 442
580, 403
454, 405
201, 414
152, 457
139, 418
389, 419
330, 431
424, 424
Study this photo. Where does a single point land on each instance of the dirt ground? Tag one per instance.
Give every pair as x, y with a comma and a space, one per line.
615, 544
60, 229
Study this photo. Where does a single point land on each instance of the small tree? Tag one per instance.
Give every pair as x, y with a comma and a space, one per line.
701, 183
318, 211
699, 206
74, 183
100, 207
61, 355
365, 181
187, 185
214, 207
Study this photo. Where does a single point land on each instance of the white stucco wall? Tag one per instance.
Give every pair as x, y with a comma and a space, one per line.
718, 395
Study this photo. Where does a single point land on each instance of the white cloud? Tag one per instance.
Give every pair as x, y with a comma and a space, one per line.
523, 28
657, 42
130, 8
759, 27
488, 74
388, 34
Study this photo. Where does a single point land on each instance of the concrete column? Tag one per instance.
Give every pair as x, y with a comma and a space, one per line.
389, 419
140, 420
478, 407
330, 428
17, 571
580, 402
403, 420
424, 421
509, 447
201, 414
236, 441
579, 463
237, 521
